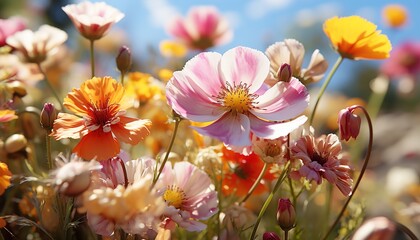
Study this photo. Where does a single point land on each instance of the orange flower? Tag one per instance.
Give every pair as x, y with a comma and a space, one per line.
100, 121
7, 115
395, 15
242, 173
356, 38
5, 176
2, 223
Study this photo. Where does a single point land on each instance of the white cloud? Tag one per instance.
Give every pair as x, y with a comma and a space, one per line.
161, 11
259, 8
309, 17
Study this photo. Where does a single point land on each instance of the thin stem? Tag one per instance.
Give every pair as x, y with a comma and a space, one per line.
124, 171
49, 159
292, 190
366, 161
324, 87
407, 231
257, 181
162, 165
92, 57
286, 234
269, 198
122, 77
50, 86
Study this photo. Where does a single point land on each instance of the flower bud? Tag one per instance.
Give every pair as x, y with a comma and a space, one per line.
286, 215
48, 115
349, 123
270, 236
15, 143
284, 73
124, 59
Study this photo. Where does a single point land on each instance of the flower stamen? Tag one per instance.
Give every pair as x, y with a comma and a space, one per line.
174, 196
237, 98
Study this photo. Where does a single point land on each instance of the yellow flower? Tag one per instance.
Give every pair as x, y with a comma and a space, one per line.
172, 49
143, 87
165, 74
5, 176
356, 38
395, 15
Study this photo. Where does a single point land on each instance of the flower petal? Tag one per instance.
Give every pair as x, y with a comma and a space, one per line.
282, 101
230, 129
97, 144
131, 130
245, 65
68, 126
271, 130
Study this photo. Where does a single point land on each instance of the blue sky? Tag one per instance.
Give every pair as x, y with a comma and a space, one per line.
254, 20
258, 23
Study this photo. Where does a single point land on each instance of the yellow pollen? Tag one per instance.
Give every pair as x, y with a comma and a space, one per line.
237, 98
174, 196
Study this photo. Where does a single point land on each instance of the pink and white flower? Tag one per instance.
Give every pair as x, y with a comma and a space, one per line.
112, 200
37, 46
292, 52
228, 92
203, 28
9, 27
322, 158
93, 20
189, 195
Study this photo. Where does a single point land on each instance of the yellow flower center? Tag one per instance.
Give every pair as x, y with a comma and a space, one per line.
237, 98
174, 196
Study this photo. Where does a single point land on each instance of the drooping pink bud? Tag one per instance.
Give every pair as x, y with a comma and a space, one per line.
349, 123
286, 215
284, 73
123, 59
270, 236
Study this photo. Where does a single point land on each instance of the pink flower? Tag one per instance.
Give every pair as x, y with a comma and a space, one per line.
349, 123
93, 20
9, 27
37, 46
203, 28
322, 158
404, 61
228, 91
188, 194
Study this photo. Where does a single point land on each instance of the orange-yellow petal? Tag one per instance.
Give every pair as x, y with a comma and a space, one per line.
97, 144
68, 126
356, 38
5, 176
131, 130
95, 92
7, 115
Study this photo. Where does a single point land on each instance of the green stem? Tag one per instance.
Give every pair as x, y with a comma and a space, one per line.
269, 198
378, 95
49, 159
257, 181
50, 86
92, 57
324, 87
292, 190
122, 77
162, 165
369, 150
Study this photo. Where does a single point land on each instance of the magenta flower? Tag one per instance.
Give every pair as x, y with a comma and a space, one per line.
203, 28
228, 93
9, 27
322, 158
93, 20
188, 194
404, 61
